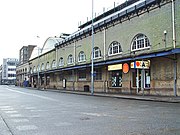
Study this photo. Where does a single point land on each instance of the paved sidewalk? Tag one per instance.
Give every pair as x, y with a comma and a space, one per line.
169, 99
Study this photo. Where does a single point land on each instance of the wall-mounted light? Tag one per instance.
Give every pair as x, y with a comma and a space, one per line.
165, 32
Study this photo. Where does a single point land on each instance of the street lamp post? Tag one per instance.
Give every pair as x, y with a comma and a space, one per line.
38, 81
92, 59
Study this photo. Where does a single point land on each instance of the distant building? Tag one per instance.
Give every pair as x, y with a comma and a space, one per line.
9, 70
0, 74
23, 66
25, 53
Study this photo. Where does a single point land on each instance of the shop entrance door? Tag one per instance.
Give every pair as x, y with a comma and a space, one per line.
143, 78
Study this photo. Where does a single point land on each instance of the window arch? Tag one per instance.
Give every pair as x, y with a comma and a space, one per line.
47, 65
96, 53
81, 57
114, 48
53, 64
70, 59
61, 61
140, 42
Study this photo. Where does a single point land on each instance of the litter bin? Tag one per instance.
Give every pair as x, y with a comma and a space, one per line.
86, 88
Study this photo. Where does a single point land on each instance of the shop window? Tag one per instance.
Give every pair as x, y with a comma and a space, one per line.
81, 57
98, 74
61, 76
70, 59
69, 76
47, 80
116, 78
54, 64
140, 42
114, 48
82, 74
61, 62
97, 53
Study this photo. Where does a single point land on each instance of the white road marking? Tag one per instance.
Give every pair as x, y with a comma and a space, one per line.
20, 120
26, 127
10, 112
5, 106
96, 114
30, 108
15, 115
25, 93
7, 109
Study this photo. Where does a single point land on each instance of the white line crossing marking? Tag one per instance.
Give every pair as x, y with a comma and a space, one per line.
42, 97
7, 109
15, 115
27, 127
5, 106
30, 108
10, 112
20, 120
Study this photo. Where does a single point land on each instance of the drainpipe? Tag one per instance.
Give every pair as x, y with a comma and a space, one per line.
173, 24
174, 46
57, 57
175, 77
104, 43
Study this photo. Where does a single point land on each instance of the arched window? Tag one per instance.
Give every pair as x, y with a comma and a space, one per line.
114, 48
140, 42
61, 61
53, 64
30, 70
38, 68
81, 57
42, 66
70, 59
47, 65
96, 53
34, 69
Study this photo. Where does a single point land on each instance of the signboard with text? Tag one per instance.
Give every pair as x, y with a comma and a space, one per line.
141, 64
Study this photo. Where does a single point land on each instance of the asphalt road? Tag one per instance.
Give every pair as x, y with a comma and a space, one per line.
32, 112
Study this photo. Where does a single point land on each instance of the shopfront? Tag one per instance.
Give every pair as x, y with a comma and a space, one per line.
115, 72
141, 74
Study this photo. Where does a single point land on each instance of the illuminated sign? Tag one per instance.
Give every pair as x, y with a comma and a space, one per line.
141, 64
115, 67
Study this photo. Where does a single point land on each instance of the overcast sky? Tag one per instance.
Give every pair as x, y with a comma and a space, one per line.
21, 21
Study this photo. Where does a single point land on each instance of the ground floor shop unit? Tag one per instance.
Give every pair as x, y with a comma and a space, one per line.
152, 74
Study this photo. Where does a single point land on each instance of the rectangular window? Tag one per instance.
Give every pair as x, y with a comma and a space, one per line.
98, 74
82, 74
61, 76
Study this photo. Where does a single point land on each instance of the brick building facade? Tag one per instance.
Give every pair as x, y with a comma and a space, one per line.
136, 50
